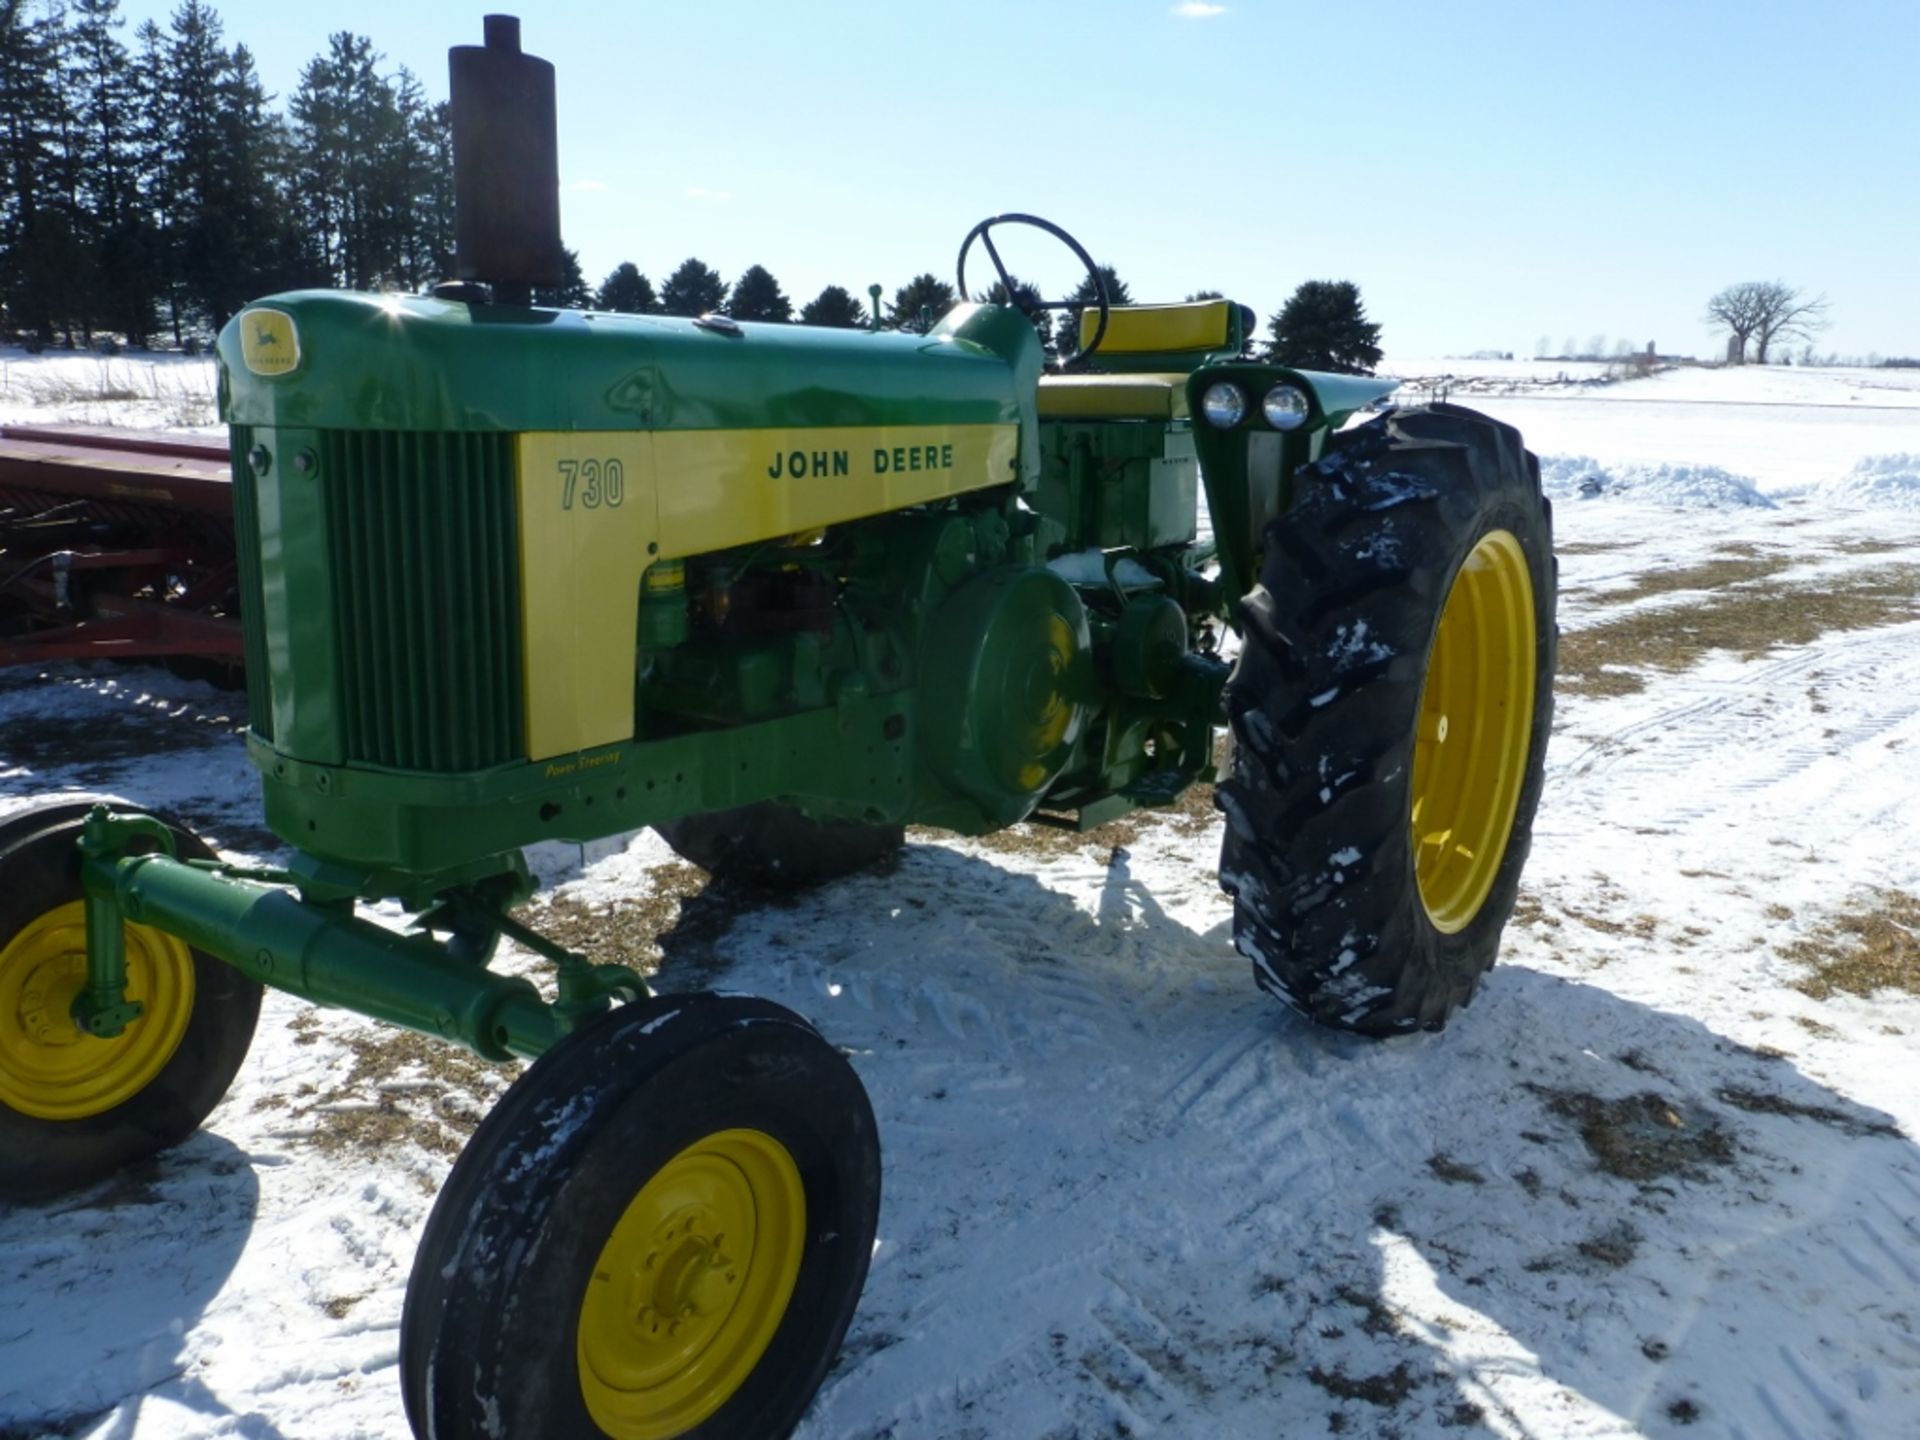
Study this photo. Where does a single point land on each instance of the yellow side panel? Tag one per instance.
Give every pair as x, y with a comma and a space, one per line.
734, 487
1137, 329
588, 513
598, 507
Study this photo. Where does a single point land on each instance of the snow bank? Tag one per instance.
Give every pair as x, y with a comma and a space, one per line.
1879, 482
1688, 487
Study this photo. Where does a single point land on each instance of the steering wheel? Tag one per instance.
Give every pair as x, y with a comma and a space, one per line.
980, 233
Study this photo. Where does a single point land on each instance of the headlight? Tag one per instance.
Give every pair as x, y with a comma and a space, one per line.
1286, 407
1224, 405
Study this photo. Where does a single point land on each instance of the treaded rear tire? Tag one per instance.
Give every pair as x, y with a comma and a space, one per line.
775, 847
1324, 705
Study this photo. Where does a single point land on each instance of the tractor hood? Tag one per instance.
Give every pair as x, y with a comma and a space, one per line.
342, 361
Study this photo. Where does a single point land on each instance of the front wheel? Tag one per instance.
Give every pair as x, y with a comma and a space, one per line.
1390, 711
661, 1230
75, 1108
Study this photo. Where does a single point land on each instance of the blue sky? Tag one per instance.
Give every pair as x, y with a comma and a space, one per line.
1489, 173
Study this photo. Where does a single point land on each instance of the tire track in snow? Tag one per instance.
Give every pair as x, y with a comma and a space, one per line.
1745, 737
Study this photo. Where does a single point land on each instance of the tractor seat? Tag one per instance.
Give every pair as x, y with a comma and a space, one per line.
1146, 356
1198, 327
1113, 397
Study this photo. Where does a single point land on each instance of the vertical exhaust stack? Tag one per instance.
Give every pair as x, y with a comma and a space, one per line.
506, 165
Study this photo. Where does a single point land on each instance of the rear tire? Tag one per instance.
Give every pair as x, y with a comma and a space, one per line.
75, 1109
1387, 767
775, 847
661, 1230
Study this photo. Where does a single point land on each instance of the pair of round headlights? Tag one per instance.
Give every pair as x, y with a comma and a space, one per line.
1225, 406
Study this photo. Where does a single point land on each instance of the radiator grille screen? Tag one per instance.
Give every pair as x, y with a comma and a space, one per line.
424, 547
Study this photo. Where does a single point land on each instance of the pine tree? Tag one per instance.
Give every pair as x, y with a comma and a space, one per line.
1027, 299
919, 304
106, 96
757, 296
834, 306
421, 156
693, 289
627, 292
148, 129
360, 167
1085, 295
34, 240
572, 293
1324, 326
257, 254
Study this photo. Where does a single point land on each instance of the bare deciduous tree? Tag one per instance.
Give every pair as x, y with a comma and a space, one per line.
1738, 307
1787, 315
1763, 312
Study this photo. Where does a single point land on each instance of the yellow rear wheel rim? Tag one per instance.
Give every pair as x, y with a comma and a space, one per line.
1476, 718
48, 1068
691, 1286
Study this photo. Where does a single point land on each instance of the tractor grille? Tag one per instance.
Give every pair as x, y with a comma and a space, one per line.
424, 542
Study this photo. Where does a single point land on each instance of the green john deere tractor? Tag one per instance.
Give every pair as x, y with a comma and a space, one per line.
514, 574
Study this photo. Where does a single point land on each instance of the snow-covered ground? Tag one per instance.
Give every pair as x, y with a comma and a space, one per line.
142, 392
1659, 1179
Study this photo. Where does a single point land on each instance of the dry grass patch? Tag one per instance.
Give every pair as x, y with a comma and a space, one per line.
1742, 616
1453, 1171
627, 933
1645, 1137
1739, 565
1593, 547
1876, 947
401, 1088
1857, 1123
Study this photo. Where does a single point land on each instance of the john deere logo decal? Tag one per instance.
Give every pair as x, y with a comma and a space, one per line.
268, 342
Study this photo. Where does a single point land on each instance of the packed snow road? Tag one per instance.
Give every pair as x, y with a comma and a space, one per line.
1658, 1179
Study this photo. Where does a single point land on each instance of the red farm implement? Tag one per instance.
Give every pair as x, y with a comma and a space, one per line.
117, 546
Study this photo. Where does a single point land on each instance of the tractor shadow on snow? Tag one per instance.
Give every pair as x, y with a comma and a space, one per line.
1246, 1226
116, 1278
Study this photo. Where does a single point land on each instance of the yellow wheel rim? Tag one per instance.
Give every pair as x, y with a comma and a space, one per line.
1476, 715
48, 1068
691, 1286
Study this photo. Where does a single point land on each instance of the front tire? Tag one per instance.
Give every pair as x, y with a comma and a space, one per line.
661, 1230
1390, 710
74, 1109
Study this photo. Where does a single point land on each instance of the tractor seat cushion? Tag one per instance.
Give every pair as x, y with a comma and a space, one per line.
1113, 397
1160, 329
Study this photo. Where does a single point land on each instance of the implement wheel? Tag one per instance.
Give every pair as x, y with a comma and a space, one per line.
775, 847
74, 1108
661, 1230
1390, 712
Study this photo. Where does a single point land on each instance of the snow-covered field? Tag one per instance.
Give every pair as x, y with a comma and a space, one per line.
1659, 1179
142, 392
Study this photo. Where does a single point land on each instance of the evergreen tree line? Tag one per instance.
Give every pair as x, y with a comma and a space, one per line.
149, 187
1323, 325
